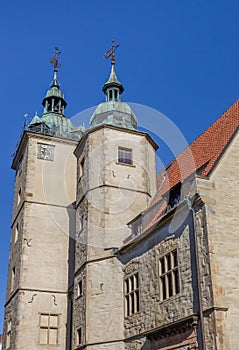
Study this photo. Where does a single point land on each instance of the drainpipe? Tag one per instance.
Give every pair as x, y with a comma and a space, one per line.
199, 289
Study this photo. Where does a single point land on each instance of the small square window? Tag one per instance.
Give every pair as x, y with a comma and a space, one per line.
125, 156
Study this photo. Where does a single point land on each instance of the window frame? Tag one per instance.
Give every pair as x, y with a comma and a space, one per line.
169, 275
13, 277
79, 336
49, 328
132, 294
79, 288
125, 160
16, 233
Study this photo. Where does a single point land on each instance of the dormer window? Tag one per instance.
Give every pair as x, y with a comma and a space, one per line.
174, 196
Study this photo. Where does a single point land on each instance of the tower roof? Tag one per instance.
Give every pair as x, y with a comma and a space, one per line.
113, 81
113, 111
53, 121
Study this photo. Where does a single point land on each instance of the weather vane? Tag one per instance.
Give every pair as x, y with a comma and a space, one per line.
111, 52
54, 60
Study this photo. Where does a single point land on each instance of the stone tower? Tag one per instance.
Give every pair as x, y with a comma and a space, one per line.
43, 225
115, 182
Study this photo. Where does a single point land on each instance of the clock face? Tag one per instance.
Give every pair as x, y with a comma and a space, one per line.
45, 151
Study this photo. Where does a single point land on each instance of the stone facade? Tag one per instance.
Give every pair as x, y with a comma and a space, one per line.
43, 217
107, 198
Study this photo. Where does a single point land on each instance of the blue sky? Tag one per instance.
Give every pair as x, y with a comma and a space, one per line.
178, 57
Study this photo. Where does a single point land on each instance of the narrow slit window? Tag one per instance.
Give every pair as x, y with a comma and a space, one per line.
79, 288
82, 167
79, 336
13, 279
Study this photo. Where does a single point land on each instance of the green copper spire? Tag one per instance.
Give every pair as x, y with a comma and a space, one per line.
54, 101
113, 111
53, 121
112, 88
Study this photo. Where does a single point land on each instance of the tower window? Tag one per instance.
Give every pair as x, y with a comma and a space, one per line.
19, 196
48, 325
125, 156
169, 275
16, 233
131, 285
82, 167
13, 279
79, 289
79, 336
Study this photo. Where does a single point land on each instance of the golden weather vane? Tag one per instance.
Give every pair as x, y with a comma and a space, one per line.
111, 52
54, 60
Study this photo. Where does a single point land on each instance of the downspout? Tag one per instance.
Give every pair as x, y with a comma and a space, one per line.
199, 289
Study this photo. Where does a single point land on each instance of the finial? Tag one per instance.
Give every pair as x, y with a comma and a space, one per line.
111, 52
54, 60
56, 64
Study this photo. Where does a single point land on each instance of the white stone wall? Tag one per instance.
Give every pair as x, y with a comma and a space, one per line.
221, 195
109, 195
46, 220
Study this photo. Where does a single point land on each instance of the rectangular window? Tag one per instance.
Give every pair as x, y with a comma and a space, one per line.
82, 167
125, 156
16, 233
169, 275
79, 336
9, 333
12, 279
49, 325
131, 294
79, 288
19, 196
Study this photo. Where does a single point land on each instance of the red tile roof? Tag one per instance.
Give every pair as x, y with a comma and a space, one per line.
203, 153
201, 156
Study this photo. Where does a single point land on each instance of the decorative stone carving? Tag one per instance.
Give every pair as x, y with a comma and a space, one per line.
45, 152
134, 266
